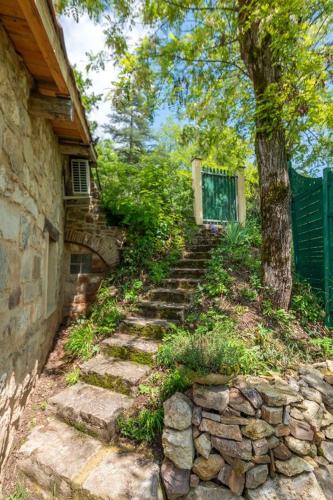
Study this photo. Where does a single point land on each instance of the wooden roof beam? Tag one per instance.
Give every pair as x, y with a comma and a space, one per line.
74, 149
51, 108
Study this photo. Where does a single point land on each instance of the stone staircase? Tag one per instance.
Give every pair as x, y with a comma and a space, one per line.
71, 457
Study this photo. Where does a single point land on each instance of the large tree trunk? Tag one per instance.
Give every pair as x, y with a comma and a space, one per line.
275, 216
271, 155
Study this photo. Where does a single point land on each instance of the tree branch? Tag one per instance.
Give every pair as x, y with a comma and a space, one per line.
206, 9
211, 61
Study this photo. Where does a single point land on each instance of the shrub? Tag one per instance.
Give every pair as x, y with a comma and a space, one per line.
145, 426
153, 199
214, 346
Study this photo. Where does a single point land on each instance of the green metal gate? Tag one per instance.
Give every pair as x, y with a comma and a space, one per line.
312, 223
219, 196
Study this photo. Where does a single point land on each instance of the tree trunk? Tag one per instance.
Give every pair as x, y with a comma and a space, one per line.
270, 143
275, 216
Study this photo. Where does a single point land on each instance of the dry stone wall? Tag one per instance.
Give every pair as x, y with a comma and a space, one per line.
257, 437
30, 193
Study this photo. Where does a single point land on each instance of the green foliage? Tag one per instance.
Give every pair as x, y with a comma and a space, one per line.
214, 346
282, 317
154, 200
81, 340
75, 8
106, 313
132, 289
176, 380
104, 318
144, 427
20, 493
73, 377
218, 280
132, 112
307, 305
248, 294
326, 346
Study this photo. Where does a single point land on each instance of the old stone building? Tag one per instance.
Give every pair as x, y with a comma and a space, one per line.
54, 242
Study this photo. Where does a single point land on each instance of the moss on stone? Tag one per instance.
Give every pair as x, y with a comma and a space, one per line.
150, 331
107, 382
126, 353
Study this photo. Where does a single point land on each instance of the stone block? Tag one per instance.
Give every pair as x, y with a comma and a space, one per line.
272, 415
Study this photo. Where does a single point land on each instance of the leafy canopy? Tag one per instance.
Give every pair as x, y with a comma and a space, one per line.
195, 45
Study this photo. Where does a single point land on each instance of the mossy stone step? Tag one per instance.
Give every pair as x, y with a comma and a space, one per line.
196, 255
60, 462
146, 327
110, 373
192, 263
161, 310
134, 348
91, 409
182, 283
200, 248
170, 295
187, 273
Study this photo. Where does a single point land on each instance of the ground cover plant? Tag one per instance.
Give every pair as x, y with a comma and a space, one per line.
233, 330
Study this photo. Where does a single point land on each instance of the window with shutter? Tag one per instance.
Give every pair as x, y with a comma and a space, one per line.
80, 176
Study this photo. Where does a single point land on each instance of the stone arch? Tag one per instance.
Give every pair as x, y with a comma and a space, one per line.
104, 246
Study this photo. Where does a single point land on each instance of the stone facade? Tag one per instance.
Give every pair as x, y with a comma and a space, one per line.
87, 233
36, 286
254, 438
31, 207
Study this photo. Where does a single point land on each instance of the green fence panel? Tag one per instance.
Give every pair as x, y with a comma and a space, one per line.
312, 224
219, 196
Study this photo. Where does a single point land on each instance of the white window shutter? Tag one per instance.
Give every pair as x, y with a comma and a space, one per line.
80, 176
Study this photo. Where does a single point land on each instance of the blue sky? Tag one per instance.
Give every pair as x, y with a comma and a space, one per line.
80, 38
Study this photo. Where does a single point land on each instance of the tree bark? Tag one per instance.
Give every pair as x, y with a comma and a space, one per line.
270, 145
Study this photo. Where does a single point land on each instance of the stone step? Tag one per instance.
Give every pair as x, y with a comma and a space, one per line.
161, 310
182, 283
171, 295
91, 409
187, 273
206, 239
131, 347
192, 263
60, 462
200, 248
196, 255
110, 373
146, 327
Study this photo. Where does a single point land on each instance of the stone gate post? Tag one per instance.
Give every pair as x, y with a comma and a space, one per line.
241, 195
197, 190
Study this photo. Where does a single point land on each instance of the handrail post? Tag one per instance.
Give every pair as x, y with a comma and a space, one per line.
197, 190
241, 196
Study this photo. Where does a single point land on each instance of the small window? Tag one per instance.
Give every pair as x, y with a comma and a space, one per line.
80, 176
80, 263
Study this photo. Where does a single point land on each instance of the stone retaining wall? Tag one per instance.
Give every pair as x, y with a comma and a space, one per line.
258, 437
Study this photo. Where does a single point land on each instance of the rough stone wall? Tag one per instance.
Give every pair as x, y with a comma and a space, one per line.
87, 232
30, 191
261, 437
80, 289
